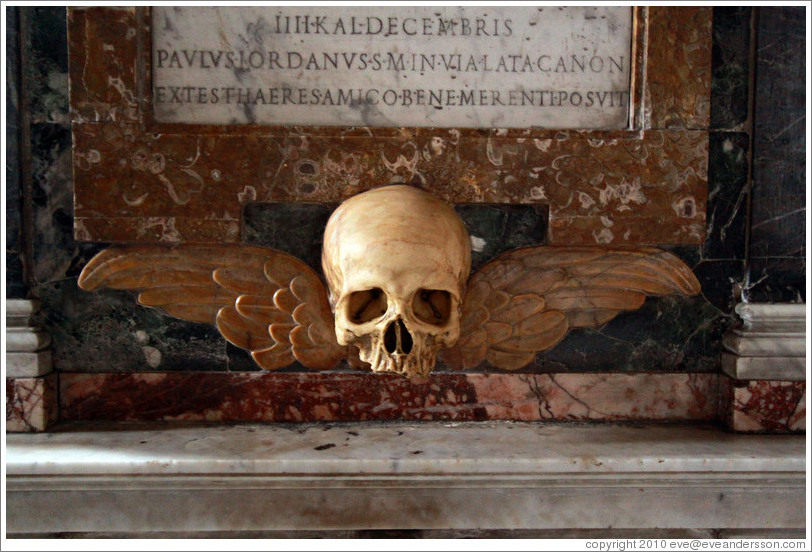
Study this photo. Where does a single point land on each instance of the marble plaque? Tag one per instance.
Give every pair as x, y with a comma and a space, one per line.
480, 67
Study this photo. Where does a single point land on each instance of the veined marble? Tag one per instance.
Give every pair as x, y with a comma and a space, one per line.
347, 396
760, 406
31, 403
504, 475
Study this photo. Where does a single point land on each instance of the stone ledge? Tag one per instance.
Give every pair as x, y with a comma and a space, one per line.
764, 368
769, 330
492, 475
20, 312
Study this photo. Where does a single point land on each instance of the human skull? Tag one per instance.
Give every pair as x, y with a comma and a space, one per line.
396, 260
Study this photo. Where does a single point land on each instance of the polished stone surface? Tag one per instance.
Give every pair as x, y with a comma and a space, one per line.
770, 343
406, 476
27, 351
780, 181
732, 62
31, 403
763, 406
27, 364
781, 368
347, 396
394, 66
13, 188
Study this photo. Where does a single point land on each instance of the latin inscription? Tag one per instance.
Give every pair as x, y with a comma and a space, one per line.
510, 67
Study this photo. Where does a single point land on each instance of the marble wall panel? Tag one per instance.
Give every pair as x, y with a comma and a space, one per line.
99, 39
47, 64
780, 181
144, 187
15, 284
31, 403
730, 82
728, 172
679, 58
761, 406
280, 397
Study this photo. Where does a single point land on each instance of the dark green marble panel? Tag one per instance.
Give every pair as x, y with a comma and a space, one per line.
731, 65
298, 228
728, 170
46, 72
15, 283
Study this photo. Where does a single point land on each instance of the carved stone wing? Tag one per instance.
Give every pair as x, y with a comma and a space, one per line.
261, 300
525, 301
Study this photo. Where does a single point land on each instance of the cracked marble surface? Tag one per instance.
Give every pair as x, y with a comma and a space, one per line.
346, 396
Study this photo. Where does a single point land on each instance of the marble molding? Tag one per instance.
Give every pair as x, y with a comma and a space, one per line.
768, 330
31, 401
403, 476
347, 396
28, 352
140, 181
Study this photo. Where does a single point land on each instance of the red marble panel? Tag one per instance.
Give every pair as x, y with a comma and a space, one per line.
103, 48
337, 396
31, 403
762, 406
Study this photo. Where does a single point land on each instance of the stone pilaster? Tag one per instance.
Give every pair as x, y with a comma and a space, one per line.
764, 364
31, 398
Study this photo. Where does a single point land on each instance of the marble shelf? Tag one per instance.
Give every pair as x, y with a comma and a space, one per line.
454, 475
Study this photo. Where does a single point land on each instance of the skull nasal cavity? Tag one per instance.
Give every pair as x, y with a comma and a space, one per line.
396, 338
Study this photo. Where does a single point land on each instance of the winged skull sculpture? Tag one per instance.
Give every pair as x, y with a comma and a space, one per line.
396, 260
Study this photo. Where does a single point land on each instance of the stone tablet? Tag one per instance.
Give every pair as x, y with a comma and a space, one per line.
480, 67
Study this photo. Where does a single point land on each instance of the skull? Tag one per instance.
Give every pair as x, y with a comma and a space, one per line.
396, 260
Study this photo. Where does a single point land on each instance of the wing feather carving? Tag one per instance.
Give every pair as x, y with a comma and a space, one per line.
525, 301
260, 299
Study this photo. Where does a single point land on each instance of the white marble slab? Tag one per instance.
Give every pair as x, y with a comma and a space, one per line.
428, 476
27, 354
773, 368
415, 66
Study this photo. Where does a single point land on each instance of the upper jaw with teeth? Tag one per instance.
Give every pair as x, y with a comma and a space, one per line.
396, 352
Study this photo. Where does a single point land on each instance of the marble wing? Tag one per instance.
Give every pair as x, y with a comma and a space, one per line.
262, 300
525, 301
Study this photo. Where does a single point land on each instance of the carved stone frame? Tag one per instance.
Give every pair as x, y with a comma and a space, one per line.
140, 181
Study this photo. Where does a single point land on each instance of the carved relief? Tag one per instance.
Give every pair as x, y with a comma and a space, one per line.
396, 260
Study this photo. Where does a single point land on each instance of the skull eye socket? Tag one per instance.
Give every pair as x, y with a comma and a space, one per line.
364, 306
432, 306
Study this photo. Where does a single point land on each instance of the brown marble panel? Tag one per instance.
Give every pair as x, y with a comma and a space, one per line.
295, 397
677, 91
31, 403
620, 188
102, 46
762, 406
